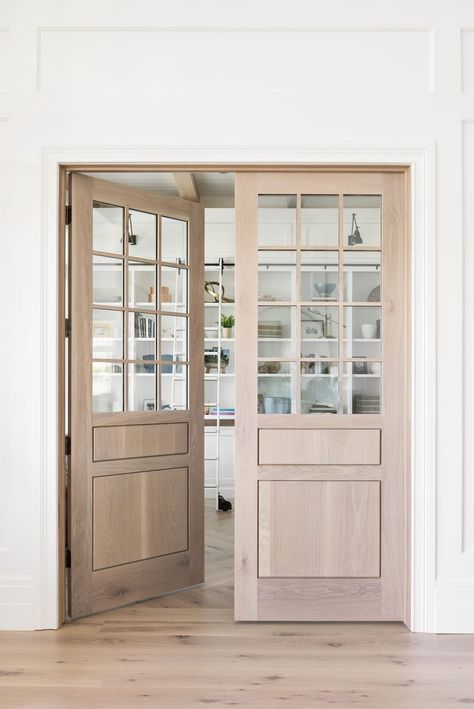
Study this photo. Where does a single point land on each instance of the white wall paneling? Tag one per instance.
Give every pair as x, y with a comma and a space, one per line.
249, 58
127, 82
5, 58
467, 59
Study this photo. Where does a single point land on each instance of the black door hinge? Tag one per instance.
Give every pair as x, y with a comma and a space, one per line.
67, 558
67, 327
67, 445
67, 214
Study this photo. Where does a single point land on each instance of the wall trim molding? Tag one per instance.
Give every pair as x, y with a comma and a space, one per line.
422, 160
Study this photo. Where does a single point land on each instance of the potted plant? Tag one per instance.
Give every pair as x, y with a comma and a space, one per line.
227, 324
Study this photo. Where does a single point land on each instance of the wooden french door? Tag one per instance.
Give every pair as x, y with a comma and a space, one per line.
322, 396
136, 395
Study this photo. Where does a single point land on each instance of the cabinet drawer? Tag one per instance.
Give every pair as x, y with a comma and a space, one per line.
341, 446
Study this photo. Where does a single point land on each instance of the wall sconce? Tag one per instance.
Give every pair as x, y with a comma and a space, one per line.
132, 238
354, 237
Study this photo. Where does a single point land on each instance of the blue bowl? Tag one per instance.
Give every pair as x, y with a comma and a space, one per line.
324, 289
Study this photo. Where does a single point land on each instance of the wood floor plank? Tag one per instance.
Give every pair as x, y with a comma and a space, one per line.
184, 650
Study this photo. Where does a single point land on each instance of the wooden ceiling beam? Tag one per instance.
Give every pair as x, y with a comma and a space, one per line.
187, 186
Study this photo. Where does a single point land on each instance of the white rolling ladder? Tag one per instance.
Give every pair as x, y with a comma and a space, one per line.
221, 503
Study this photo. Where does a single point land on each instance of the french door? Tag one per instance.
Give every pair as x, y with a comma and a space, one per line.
136, 395
321, 396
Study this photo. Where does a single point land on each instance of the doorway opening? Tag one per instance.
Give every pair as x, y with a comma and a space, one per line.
215, 193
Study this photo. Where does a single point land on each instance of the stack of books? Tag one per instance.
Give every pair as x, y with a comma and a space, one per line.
270, 328
224, 411
366, 404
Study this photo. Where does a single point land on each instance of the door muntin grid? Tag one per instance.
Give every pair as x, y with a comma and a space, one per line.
134, 366
320, 314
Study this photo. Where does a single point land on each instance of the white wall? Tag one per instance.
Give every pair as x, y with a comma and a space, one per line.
121, 74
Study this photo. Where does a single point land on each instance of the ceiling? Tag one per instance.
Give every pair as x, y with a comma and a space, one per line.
216, 189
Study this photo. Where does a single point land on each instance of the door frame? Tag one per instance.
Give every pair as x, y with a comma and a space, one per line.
418, 161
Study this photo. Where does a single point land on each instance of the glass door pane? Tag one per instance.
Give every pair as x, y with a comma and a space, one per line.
319, 220
277, 220
362, 220
276, 387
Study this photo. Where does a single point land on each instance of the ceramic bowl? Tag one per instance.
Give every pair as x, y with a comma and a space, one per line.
324, 289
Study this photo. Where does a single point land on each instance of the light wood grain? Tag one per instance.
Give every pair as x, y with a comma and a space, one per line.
319, 447
139, 441
142, 441
319, 528
246, 353
184, 650
186, 185
279, 447
139, 516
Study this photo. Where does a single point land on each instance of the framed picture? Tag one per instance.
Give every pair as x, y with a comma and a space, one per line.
149, 405
101, 328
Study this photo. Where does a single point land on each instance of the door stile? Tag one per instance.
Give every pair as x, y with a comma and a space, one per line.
246, 486
80, 591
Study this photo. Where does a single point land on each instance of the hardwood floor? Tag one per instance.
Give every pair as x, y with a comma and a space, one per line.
184, 650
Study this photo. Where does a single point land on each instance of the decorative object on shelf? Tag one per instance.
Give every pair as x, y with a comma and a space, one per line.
374, 295
270, 328
227, 325
267, 298
149, 405
354, 237
377, 334
269, 367
147, 368
209, 287
308, 367
317, 329
276, 405
359, 368
168, 368
366, 404
151, 295
211, 360
322, 408
375, 368
165, 295
316, 316
368, 330
324, 291
334, 369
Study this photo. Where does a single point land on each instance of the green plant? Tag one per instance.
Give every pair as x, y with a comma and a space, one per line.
227, 321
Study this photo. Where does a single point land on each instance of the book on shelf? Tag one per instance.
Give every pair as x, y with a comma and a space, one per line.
145, 326
224, 411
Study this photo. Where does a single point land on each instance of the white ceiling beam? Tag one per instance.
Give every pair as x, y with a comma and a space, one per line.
187, 186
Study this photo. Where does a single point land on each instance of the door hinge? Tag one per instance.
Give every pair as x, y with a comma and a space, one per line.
67, 327
67, 214
67, 445
67, 557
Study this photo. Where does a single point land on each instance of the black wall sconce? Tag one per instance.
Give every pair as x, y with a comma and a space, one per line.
132, 238
354, 237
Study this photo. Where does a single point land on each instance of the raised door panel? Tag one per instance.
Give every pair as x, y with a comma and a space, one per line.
139, 516
139, 441
313, 529
319, 447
